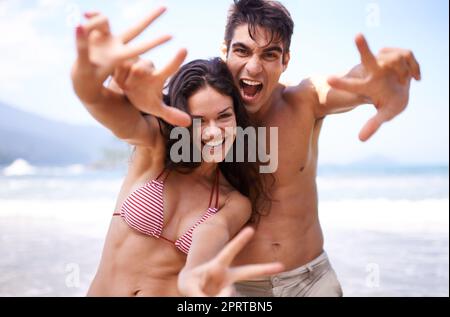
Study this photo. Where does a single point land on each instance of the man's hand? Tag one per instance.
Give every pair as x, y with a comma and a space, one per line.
216, 277
99, 52
143, 85
384, 80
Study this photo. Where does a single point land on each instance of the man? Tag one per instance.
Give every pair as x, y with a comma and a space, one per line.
256, 49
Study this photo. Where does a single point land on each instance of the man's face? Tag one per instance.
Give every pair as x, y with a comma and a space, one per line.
256, 65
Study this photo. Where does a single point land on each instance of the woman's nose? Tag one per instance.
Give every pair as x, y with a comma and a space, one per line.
211, 131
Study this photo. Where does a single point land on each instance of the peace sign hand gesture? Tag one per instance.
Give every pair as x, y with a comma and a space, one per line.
216, 277
99, 52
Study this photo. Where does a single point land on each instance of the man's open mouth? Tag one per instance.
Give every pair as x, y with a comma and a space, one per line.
250, 89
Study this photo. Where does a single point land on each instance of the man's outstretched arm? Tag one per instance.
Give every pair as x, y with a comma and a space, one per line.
382, 80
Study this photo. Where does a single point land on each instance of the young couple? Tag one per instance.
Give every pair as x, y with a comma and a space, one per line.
178, 226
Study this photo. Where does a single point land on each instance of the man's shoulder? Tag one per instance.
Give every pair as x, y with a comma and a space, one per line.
301, 96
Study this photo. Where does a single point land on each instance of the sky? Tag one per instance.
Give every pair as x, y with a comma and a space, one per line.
37, 51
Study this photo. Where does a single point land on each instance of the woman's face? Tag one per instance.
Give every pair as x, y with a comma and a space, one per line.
217, 128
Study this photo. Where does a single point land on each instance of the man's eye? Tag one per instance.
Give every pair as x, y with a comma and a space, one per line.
240, 51
271, 56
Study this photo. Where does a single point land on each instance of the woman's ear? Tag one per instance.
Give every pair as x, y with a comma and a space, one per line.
224, 52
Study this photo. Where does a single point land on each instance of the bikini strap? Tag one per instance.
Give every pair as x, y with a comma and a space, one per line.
162, 173
215, 189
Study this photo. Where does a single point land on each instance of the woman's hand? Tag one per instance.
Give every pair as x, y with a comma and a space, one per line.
99, 52
143, 85
216, 277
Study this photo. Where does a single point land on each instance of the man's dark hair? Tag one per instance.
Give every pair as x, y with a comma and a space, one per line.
270, 15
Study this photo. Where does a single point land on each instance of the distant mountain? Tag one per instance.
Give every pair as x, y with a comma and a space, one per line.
45, 142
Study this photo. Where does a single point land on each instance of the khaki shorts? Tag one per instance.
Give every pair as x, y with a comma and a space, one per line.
315, 279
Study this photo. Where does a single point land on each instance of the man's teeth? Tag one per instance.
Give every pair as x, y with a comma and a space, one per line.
251, 82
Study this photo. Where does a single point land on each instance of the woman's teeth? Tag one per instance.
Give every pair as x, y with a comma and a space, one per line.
215, 144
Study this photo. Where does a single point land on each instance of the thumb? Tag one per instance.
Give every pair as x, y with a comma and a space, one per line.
372, 126
175, 116
82, 45
228, 291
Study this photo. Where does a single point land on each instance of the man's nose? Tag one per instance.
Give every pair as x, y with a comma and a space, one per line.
253, 66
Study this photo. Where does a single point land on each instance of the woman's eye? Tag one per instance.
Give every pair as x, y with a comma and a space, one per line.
225, 116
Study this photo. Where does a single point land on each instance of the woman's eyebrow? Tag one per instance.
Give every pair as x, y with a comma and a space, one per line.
194, 116
225, 110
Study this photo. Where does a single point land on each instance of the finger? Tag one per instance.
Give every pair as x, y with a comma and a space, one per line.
114, 87
91, 14
392, 60
229, 252
410, 58
415, 67
121, 73
372, 126
175, 116
194, 290
353, 85
138, 49
248, 272
82, 45
226, 292
367, 58
402, 70
136, 71
142, 25
99, 23
173, 65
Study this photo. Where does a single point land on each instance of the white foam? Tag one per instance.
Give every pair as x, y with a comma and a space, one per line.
19, 167
380, 215
387, 215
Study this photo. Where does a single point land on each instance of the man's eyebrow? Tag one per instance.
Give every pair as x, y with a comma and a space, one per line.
273, 49
240, 44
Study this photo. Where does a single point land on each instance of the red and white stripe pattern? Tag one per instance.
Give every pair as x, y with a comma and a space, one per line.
143, 210
184, 242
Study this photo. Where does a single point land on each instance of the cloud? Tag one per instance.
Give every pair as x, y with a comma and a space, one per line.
136, 9
27, 49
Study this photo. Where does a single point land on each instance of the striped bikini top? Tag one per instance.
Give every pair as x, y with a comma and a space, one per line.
143, 210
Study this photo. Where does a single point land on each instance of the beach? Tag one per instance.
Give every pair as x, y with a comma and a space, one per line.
386, 234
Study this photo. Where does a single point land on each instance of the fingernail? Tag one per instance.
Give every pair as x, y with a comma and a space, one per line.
80, 30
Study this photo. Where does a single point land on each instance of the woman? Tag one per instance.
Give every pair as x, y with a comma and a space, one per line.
169, 216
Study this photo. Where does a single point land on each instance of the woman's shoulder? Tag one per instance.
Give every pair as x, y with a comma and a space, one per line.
144, 164
232, 196
236, 205
237, 198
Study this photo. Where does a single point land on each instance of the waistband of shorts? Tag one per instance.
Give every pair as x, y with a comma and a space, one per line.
308, 267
